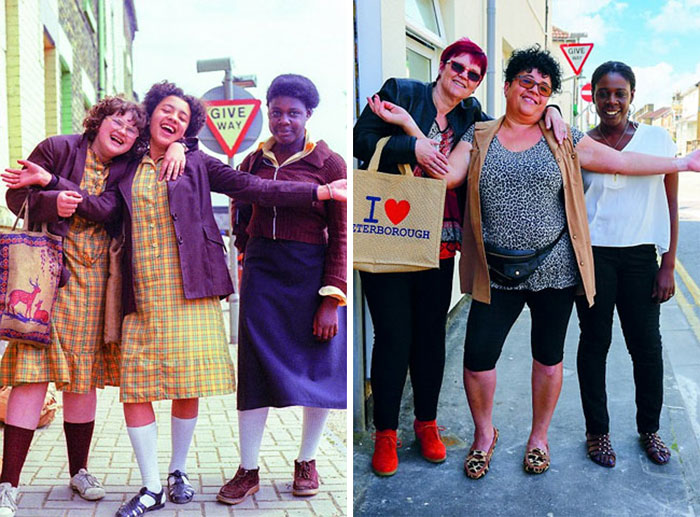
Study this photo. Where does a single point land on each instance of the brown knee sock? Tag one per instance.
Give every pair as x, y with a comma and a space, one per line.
14, 451
78, 438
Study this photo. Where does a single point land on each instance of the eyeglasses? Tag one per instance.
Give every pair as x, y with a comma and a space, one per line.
459, 69
119, 125
528, 82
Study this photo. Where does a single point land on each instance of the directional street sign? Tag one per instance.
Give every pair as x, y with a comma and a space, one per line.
576, 54
587, 92
232, 125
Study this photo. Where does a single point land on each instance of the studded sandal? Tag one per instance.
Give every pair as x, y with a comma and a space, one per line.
600, 449
655, 448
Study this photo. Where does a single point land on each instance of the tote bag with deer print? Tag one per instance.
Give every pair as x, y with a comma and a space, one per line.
30, 269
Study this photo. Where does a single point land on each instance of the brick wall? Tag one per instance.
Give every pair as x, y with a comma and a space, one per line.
83, 39
25, 77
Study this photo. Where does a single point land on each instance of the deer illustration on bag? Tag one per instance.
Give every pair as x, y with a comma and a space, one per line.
41, 315
25, 297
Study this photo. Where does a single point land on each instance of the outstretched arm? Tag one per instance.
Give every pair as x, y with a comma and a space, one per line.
598, 157
252, 189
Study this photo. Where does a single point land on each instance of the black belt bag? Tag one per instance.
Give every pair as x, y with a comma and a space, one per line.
512, 267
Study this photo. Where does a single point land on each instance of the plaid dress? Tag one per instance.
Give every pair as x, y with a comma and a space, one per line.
77, 360
173, 348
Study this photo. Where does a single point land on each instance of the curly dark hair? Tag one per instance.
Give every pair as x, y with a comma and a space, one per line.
613, 67
163, 89
108, 106
531, 58
296, 86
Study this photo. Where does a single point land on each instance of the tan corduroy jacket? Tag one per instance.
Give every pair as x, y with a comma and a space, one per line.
474, 273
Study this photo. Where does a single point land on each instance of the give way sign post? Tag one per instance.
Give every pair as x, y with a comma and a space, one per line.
576, 54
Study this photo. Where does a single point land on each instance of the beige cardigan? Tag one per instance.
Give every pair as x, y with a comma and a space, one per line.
473, 271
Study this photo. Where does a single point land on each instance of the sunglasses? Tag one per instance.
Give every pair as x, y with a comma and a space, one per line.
459, 69
528, 82
119, 125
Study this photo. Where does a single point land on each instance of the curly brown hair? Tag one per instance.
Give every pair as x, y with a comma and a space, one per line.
108, 106
163, 89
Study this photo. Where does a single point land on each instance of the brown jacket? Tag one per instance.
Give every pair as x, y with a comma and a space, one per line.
473, 271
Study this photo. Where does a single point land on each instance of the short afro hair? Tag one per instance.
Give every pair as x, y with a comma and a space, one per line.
296, 86
163, 89
531, 58
614, 67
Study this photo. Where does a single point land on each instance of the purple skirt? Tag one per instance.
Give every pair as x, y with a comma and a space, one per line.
280, 363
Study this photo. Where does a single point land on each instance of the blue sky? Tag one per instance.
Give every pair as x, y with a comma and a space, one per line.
659, 39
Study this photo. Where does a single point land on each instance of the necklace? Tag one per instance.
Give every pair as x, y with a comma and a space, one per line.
624, 132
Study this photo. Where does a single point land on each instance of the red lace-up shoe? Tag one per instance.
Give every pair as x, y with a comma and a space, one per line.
428, 435
385, 461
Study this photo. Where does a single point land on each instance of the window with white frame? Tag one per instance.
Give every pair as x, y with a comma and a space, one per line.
424, 39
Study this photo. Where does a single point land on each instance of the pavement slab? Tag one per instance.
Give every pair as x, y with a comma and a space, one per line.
212, 461
574, 485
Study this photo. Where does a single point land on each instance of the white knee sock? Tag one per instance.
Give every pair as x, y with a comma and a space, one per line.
144, 440
251, 424
181, 436
314, 423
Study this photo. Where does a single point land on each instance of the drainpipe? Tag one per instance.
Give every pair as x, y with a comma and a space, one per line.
101, 38
491, 53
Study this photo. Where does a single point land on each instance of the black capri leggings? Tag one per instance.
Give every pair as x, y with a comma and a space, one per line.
489, 324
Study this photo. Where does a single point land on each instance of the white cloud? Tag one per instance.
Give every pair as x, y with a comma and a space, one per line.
677, 16
582, 16
656, 84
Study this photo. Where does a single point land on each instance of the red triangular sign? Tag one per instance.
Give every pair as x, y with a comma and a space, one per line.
576, 54
229, 121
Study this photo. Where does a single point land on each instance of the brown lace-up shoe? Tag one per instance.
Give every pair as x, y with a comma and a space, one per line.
243, 484
305, 478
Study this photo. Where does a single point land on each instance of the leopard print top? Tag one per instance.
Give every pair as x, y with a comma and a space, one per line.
522, 207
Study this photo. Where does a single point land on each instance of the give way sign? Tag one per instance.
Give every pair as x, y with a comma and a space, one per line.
576, 54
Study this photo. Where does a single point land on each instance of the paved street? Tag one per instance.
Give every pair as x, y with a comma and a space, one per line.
574, 485
213, 460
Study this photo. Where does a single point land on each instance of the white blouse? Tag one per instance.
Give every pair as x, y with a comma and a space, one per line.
631, 210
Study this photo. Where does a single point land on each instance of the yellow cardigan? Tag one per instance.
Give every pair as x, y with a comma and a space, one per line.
473, 270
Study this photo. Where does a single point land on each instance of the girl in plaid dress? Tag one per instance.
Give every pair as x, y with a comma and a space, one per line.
174, 272
78, 361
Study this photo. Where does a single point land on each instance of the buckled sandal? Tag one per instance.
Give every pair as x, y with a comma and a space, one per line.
179, 491
477, 463
135, 508
600, 449
536, 460
655, 448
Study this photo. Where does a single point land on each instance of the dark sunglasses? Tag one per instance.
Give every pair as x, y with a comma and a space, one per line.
528, 82
459, 69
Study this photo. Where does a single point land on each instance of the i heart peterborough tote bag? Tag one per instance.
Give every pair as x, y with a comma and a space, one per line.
397, 219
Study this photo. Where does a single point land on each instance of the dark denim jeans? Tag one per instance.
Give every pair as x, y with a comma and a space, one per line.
624, 278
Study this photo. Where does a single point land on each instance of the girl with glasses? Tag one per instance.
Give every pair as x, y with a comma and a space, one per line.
77, 361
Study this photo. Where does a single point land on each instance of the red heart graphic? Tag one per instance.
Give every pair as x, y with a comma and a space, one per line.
396, 211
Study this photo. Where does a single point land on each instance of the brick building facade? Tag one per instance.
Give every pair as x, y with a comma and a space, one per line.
57, 58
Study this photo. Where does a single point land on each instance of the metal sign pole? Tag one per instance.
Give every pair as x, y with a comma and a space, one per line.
233, 300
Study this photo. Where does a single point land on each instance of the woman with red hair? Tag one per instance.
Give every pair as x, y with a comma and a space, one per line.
409, 310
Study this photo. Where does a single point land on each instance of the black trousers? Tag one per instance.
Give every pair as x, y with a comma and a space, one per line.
624, 278
409, 313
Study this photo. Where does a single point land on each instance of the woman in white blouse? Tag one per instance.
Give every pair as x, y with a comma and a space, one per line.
630, 218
